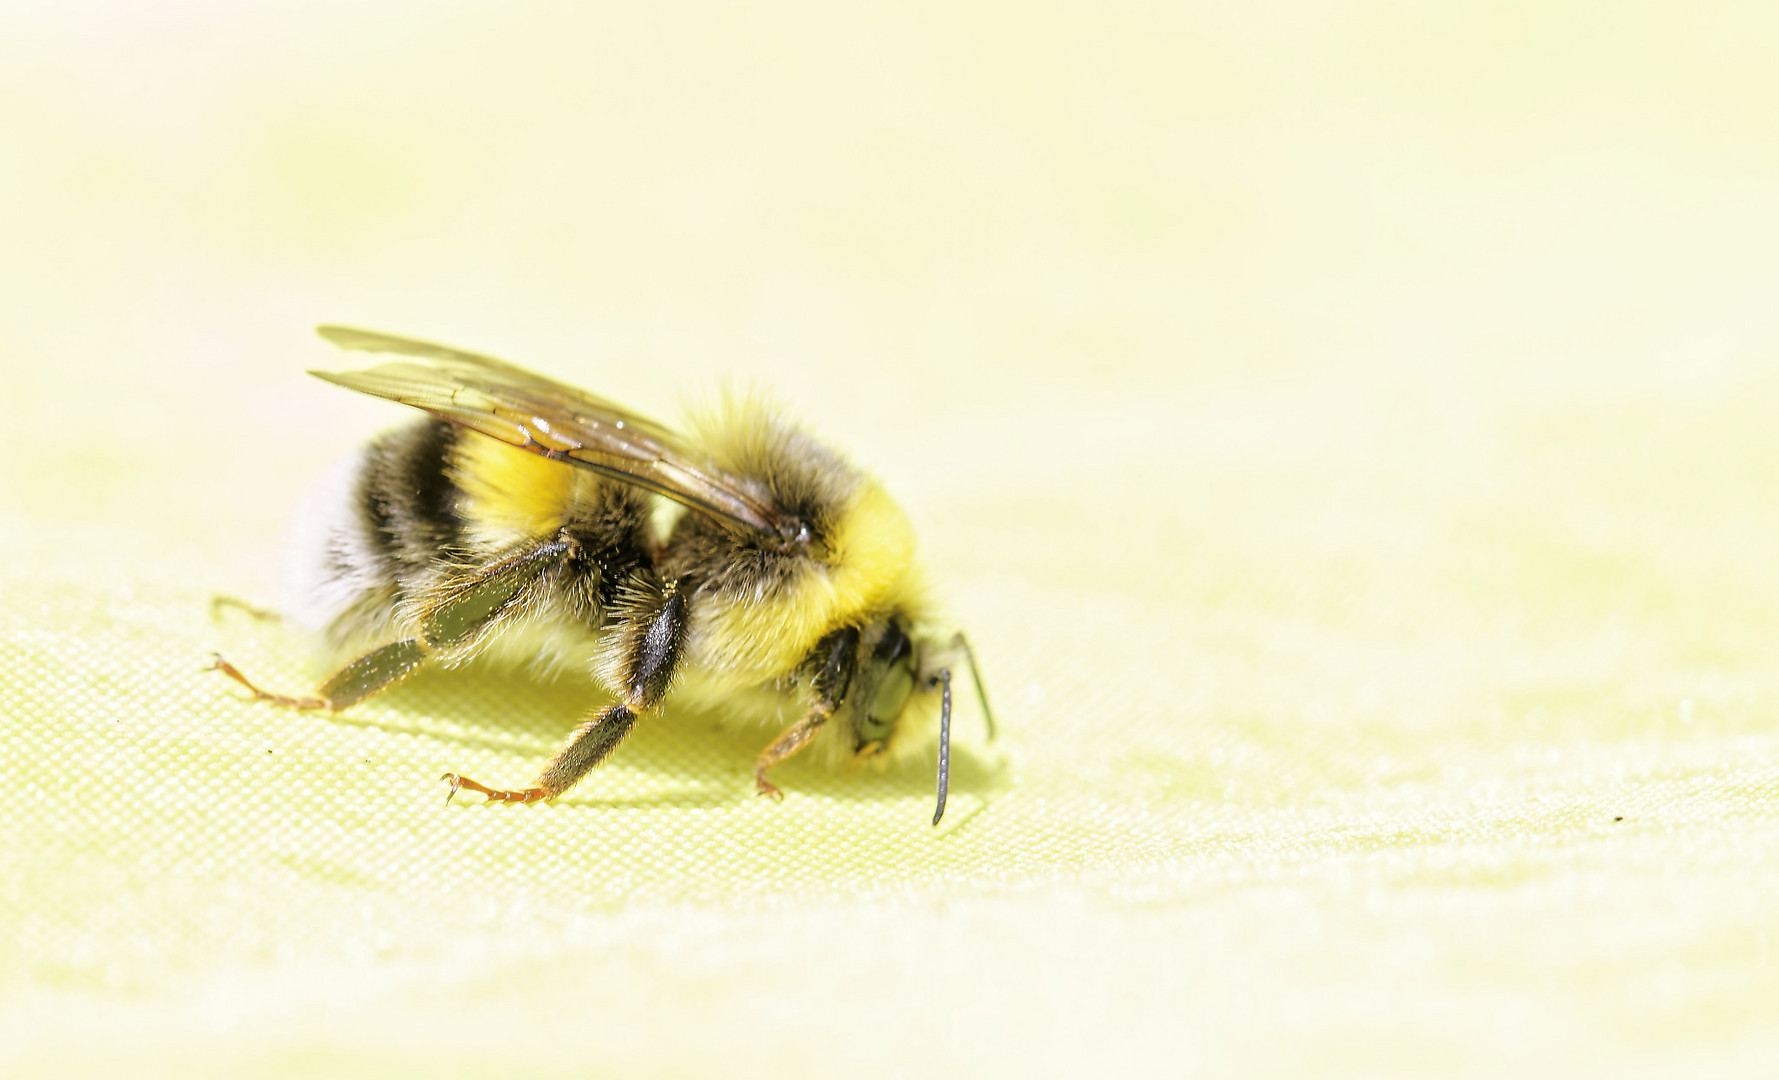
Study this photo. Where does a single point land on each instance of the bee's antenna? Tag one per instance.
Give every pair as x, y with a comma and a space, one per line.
988, 715
944, 681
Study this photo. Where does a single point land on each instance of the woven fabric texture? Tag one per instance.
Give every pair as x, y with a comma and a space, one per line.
1346, 436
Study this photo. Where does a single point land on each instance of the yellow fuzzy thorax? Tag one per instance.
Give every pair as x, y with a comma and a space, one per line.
511, 494
870, 569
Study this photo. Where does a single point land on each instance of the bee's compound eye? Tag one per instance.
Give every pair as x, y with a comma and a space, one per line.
888, 702
873, 732
887, 684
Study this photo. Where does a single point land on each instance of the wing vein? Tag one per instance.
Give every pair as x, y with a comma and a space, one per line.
506, 402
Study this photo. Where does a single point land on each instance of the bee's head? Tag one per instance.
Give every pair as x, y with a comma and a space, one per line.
892, 668
888, 664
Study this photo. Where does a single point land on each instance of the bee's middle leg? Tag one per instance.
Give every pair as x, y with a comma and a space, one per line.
651, 641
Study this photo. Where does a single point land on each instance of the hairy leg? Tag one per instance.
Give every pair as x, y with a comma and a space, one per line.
651, 639
452, 617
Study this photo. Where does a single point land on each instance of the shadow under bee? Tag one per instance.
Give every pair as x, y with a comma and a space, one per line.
490, 708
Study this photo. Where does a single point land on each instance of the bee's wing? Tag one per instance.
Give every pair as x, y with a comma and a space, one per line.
506, 402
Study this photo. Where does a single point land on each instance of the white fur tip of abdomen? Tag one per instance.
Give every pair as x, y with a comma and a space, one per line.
328, 562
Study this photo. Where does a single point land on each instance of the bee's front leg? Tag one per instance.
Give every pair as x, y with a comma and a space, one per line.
649, 642
795, 738
838, 655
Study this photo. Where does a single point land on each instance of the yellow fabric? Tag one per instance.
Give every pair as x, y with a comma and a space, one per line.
1346, 431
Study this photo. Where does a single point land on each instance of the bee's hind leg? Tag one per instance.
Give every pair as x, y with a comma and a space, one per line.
375, 671
453, 617
217, 663
222, 602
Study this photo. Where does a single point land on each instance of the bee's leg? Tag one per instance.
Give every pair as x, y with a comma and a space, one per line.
217, 663
795, 738
592, 742
451, 618
838, 655
649, 644
219, 603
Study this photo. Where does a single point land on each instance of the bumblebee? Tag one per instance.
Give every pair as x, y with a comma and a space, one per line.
524, 518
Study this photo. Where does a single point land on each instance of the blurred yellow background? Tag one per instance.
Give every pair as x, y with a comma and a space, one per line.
1345, 428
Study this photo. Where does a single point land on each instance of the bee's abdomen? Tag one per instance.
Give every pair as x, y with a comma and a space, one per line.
425, 503
409, 503
370, 529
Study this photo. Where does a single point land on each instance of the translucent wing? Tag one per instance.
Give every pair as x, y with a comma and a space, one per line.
506, 402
